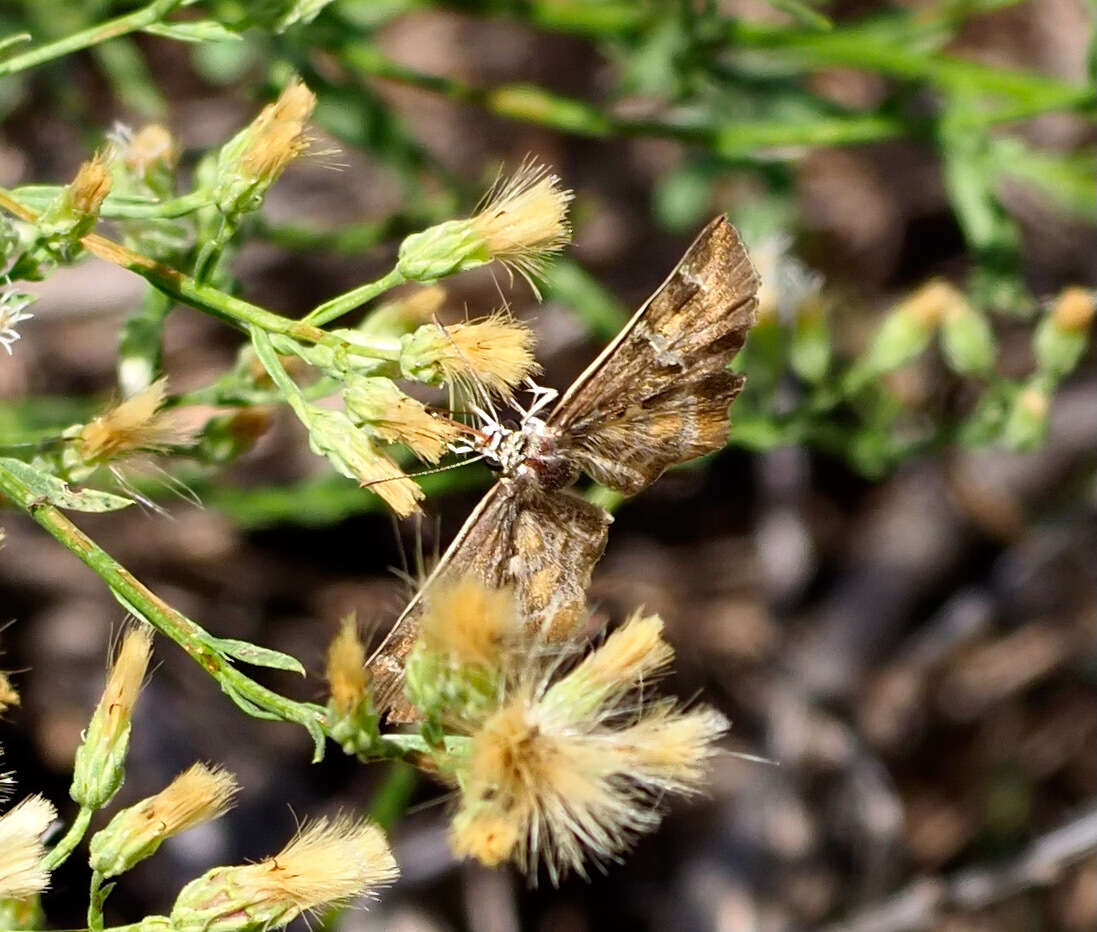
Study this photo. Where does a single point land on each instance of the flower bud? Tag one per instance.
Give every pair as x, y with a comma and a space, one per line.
326, 864
352, 717
1063, 334
397, 418
101, 758
197, 795
967, 340
522, 223
1027, 421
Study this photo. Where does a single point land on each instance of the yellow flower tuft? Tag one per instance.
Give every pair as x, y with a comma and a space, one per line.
396, 418
494, 354
197, 795
381, 475
91, 185
566, 772
525, 219
136, 425
346, 668
933, 302
278, 133
100, 759
9, 695
152, 145
21, 850
1074, 309
327, 863
469, 623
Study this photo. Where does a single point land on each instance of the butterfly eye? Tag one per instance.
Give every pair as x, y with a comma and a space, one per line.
511, 424
493, 464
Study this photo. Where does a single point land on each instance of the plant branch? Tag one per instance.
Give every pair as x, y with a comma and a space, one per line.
60, 852
356, 297
86, 38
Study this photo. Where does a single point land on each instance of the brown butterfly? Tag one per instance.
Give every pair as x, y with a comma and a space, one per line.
658, 395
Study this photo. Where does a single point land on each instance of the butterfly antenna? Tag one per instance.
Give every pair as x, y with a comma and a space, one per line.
423, 472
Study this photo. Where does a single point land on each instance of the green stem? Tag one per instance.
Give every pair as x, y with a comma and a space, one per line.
119, 207
60, 852
111, 29
391, 798
205, 297
133, 594
96, 897
356, 297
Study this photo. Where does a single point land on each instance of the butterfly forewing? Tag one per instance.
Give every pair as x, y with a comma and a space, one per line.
658, 395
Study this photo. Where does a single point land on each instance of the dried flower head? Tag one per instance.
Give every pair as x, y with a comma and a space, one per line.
1074, 308
522, 223
13, 311
525, 219
396, 418
199, 794
21, 850
494, 354
348, 680
101, 758
328, 862
250, 162
151, 146
91, 185
9, 696
468, 622
571, 768
136, 425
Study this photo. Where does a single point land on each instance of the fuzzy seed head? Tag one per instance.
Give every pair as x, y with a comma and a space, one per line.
91, 185
100, 759
278, 133
1074, 309
397, 418
21, 850
348, 679
570, 771
632, 655
136, 425
151, 146
494, 355
327, 863
525, 219
197, 795
9, 696
469, 623
124, 680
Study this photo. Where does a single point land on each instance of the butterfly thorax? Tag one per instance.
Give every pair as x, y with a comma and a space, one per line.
530, 452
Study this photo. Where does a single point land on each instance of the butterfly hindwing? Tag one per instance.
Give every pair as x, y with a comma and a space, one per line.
543, 544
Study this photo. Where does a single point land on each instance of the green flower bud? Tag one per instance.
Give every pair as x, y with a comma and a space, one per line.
968, 341
100, 764
1027, 422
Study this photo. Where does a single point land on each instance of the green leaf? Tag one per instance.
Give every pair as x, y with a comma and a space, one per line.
204, 30
258, 656
58, 492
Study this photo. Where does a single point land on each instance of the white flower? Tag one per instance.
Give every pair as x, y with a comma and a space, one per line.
13, 310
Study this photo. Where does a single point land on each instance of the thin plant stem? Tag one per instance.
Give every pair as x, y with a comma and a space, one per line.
143, 602
60, 852
348, 301
205, 297
86, 38
393, 795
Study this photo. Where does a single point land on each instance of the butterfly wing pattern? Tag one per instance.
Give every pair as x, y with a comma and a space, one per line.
657, 396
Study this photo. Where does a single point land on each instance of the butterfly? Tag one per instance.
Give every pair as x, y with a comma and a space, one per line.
656, 396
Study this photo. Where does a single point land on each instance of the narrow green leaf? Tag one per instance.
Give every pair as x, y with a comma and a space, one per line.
258, 656
205, 30
58, 492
